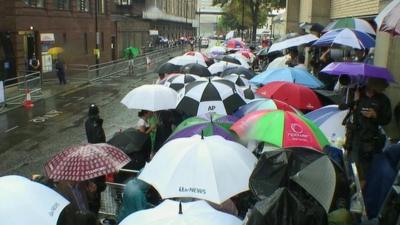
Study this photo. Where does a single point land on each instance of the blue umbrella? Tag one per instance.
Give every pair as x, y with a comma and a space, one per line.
346, 37
288, 74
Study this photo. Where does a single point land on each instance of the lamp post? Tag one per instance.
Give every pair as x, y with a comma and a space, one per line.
96, 28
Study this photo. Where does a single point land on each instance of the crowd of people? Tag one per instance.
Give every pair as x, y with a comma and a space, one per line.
369, 110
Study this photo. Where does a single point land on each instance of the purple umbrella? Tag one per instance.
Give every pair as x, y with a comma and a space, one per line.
358, 69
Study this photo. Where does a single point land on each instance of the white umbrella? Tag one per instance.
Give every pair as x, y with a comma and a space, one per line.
172, 213
382, 14
292, 42
209, 168
219, 67
177, 82
239, 80
186, 59
242, 60
279, 62
152, 97
216, 51
25, 202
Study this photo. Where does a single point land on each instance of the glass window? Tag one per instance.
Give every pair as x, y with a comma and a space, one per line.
35, 3
63, 4
83, 5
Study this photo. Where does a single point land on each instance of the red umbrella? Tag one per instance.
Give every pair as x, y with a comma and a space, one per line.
298, 96
84, 162
233, 43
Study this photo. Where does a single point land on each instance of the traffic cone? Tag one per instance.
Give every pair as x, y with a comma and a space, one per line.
28, 104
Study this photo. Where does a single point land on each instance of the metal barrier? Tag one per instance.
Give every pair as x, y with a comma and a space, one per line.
111, 197
88, 73
15, 88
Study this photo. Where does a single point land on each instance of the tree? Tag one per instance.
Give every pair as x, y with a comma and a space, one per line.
254, 10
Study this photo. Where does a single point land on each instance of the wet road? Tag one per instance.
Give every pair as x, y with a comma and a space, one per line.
28, 138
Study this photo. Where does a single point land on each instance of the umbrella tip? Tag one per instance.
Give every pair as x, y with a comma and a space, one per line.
180, 208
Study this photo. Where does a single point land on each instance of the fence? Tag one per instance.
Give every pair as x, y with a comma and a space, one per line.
15, 89
88, 73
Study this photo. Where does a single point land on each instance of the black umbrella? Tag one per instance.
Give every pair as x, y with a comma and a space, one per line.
168, 68
196, 69
135, 144
227, 58
240, 71
287, 207
293, 167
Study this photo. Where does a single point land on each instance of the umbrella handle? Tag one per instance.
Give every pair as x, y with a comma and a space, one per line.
347, 95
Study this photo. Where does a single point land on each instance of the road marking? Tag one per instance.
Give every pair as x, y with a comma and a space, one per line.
11, 129
81, 98
67, 104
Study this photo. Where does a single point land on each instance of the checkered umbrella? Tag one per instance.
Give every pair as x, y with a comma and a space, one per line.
215, 95
179, 81
84, 162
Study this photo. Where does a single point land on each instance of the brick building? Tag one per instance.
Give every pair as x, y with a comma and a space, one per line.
32, 26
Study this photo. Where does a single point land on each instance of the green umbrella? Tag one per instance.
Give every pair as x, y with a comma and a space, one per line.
131, 50
282, 129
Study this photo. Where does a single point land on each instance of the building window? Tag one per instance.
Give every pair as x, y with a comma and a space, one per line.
35, 3
85, 43
123, 2
83, 5
63, 4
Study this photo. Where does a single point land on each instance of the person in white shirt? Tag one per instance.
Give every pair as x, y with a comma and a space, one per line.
142, 124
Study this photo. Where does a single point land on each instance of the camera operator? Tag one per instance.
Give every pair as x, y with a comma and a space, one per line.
369, 110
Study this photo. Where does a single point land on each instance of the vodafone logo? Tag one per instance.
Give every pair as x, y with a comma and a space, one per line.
296, 128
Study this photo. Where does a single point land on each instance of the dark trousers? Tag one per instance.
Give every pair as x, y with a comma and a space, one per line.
61, 78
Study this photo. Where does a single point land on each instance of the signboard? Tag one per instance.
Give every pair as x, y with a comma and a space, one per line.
153, 32
47, 37
1, 92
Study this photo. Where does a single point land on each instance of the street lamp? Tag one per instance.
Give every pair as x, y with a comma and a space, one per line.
97, 36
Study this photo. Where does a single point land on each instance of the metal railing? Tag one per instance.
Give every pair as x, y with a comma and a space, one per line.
15, 89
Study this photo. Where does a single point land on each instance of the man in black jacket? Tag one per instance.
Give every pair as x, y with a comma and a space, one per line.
94, 126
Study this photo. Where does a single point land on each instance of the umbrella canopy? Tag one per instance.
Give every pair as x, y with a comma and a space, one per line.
230, 59
293, 42
298, 96
242, 60
329, 119
239, 80
84, 162
235, 44
312, 171
151, 97
240, 71
388, 19
219, 67
168, 68
262, 104
358, 69
347, 38
216, 51
351, 23
279, 62
131, 51
186, 59
179, 81
286, 207
55, 50
248, 93
173, 213
281, 128
27, 202
129, 140
200, 97
208, 124
198, 55
288, 74
248, 55
209, 168
196, 69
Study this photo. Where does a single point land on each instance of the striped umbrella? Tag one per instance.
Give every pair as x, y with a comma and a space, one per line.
351, 23
177, 82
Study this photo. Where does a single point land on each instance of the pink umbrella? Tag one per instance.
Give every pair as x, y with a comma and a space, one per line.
84, 162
